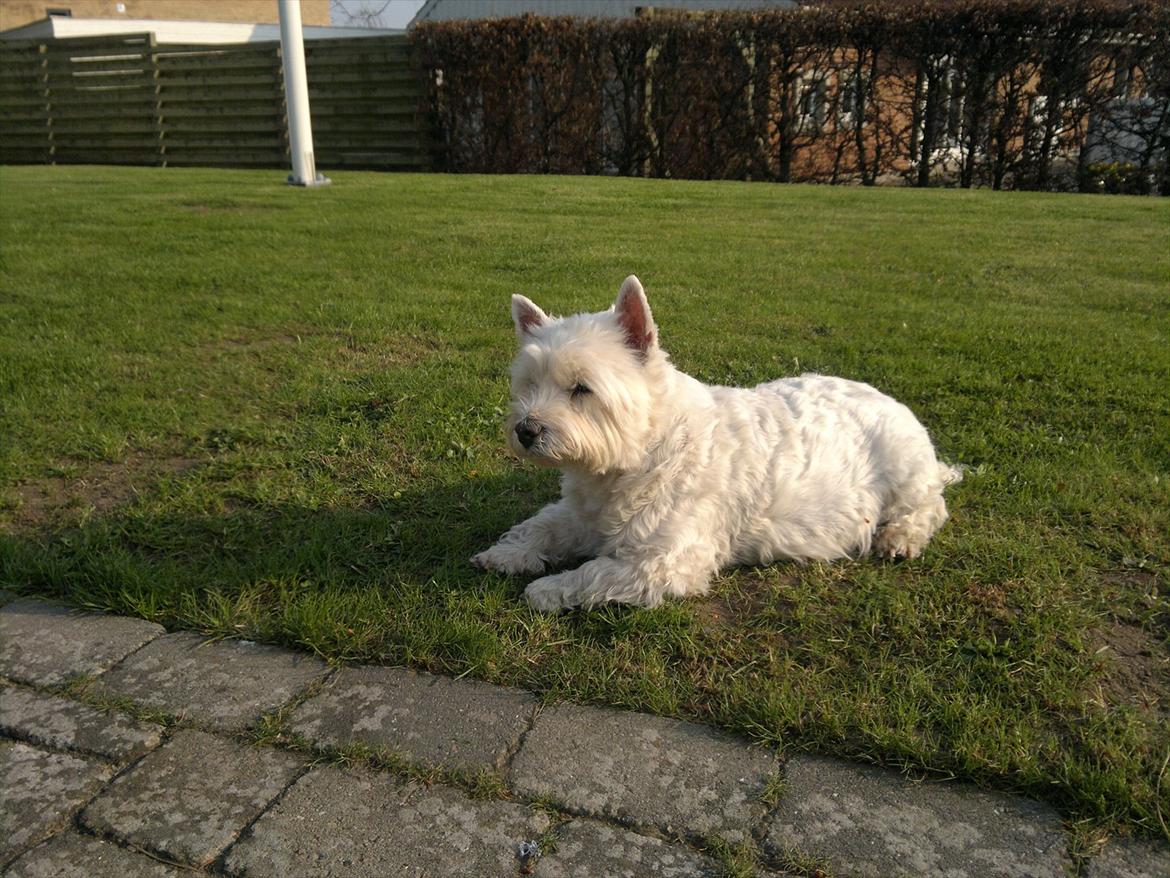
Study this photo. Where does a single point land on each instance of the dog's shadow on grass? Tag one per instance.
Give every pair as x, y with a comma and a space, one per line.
424, 536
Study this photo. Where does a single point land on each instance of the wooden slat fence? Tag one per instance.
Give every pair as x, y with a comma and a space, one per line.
364, 95
127, 100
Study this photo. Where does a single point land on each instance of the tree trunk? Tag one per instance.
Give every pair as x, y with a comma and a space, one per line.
929, 125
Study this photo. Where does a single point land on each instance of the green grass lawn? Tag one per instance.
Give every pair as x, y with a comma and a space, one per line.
247, 409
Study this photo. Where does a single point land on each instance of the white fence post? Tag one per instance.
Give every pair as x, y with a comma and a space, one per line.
296, 97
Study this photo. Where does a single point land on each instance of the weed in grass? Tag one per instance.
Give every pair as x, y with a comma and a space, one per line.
798, 862
773, 791
1086, 840
738, 860
481, 784
271, 729
84, 688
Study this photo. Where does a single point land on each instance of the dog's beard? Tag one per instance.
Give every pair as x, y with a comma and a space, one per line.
579, 442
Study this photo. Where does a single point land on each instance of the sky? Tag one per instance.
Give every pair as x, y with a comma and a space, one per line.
386, 13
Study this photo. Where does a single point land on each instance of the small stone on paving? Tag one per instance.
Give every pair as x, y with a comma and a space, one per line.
456, 723
875, 823
587, 849
644, 770
219, 684
189, 799
1132, 859
40, 792
69, 854
68, 725
371, 825
45, 644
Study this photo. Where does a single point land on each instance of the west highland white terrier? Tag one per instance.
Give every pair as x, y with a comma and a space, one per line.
666, 480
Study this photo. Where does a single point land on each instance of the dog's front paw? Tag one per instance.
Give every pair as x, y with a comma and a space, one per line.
548, 594
512, 560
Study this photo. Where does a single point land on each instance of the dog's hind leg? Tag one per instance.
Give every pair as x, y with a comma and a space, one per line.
914, 517
906, 534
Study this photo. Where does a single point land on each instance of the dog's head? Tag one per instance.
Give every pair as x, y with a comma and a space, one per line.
583, 386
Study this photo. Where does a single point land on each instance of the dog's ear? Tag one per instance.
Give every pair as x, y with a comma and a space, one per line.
633, 314
526, 314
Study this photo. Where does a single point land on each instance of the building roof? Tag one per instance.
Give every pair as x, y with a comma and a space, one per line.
170, 31
445, 10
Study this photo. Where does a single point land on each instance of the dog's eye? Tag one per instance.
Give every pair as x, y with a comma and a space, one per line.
579, 389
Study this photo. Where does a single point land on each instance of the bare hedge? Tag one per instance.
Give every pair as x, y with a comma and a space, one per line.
1031, 94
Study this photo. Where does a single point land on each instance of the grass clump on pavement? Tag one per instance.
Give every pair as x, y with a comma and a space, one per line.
253, 410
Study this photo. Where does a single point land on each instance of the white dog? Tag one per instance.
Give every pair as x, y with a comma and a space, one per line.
666, 480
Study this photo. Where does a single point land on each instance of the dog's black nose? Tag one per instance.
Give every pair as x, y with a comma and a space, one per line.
527, 431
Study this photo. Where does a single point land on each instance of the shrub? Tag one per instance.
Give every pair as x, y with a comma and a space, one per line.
983, 92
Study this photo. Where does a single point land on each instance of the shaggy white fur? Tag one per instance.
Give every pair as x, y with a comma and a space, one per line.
666, 480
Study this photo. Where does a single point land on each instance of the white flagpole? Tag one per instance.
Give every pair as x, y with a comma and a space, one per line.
296, 97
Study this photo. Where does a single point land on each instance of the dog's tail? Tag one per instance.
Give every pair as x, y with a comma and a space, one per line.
950, 474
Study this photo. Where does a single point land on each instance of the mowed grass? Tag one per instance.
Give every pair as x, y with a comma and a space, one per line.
252, 410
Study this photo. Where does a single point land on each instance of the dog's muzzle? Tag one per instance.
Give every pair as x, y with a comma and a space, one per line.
528, 431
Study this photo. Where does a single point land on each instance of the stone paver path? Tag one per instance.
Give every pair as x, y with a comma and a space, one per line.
1131, 859
90, 785
206, 683
45, 644
40, 789
61, 724
457, 723
191, 798
70, 853
645, 770
586, 848
872, 823
373, 824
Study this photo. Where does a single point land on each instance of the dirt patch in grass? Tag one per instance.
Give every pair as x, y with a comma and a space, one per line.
92, 488
347, 349
269, 338
260, 343
1126, 584
1137, 668
396, 350
717, 612
732, 607
995, 606
224, 205
989, 596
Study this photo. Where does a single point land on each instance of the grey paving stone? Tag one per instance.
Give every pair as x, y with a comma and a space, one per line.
587, 849
871, 822
40, 792
45, 644
336, 823
1127, 858
189, 799
643, 769
69, 725
7, 597
459, 723
224, 684
70, 855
